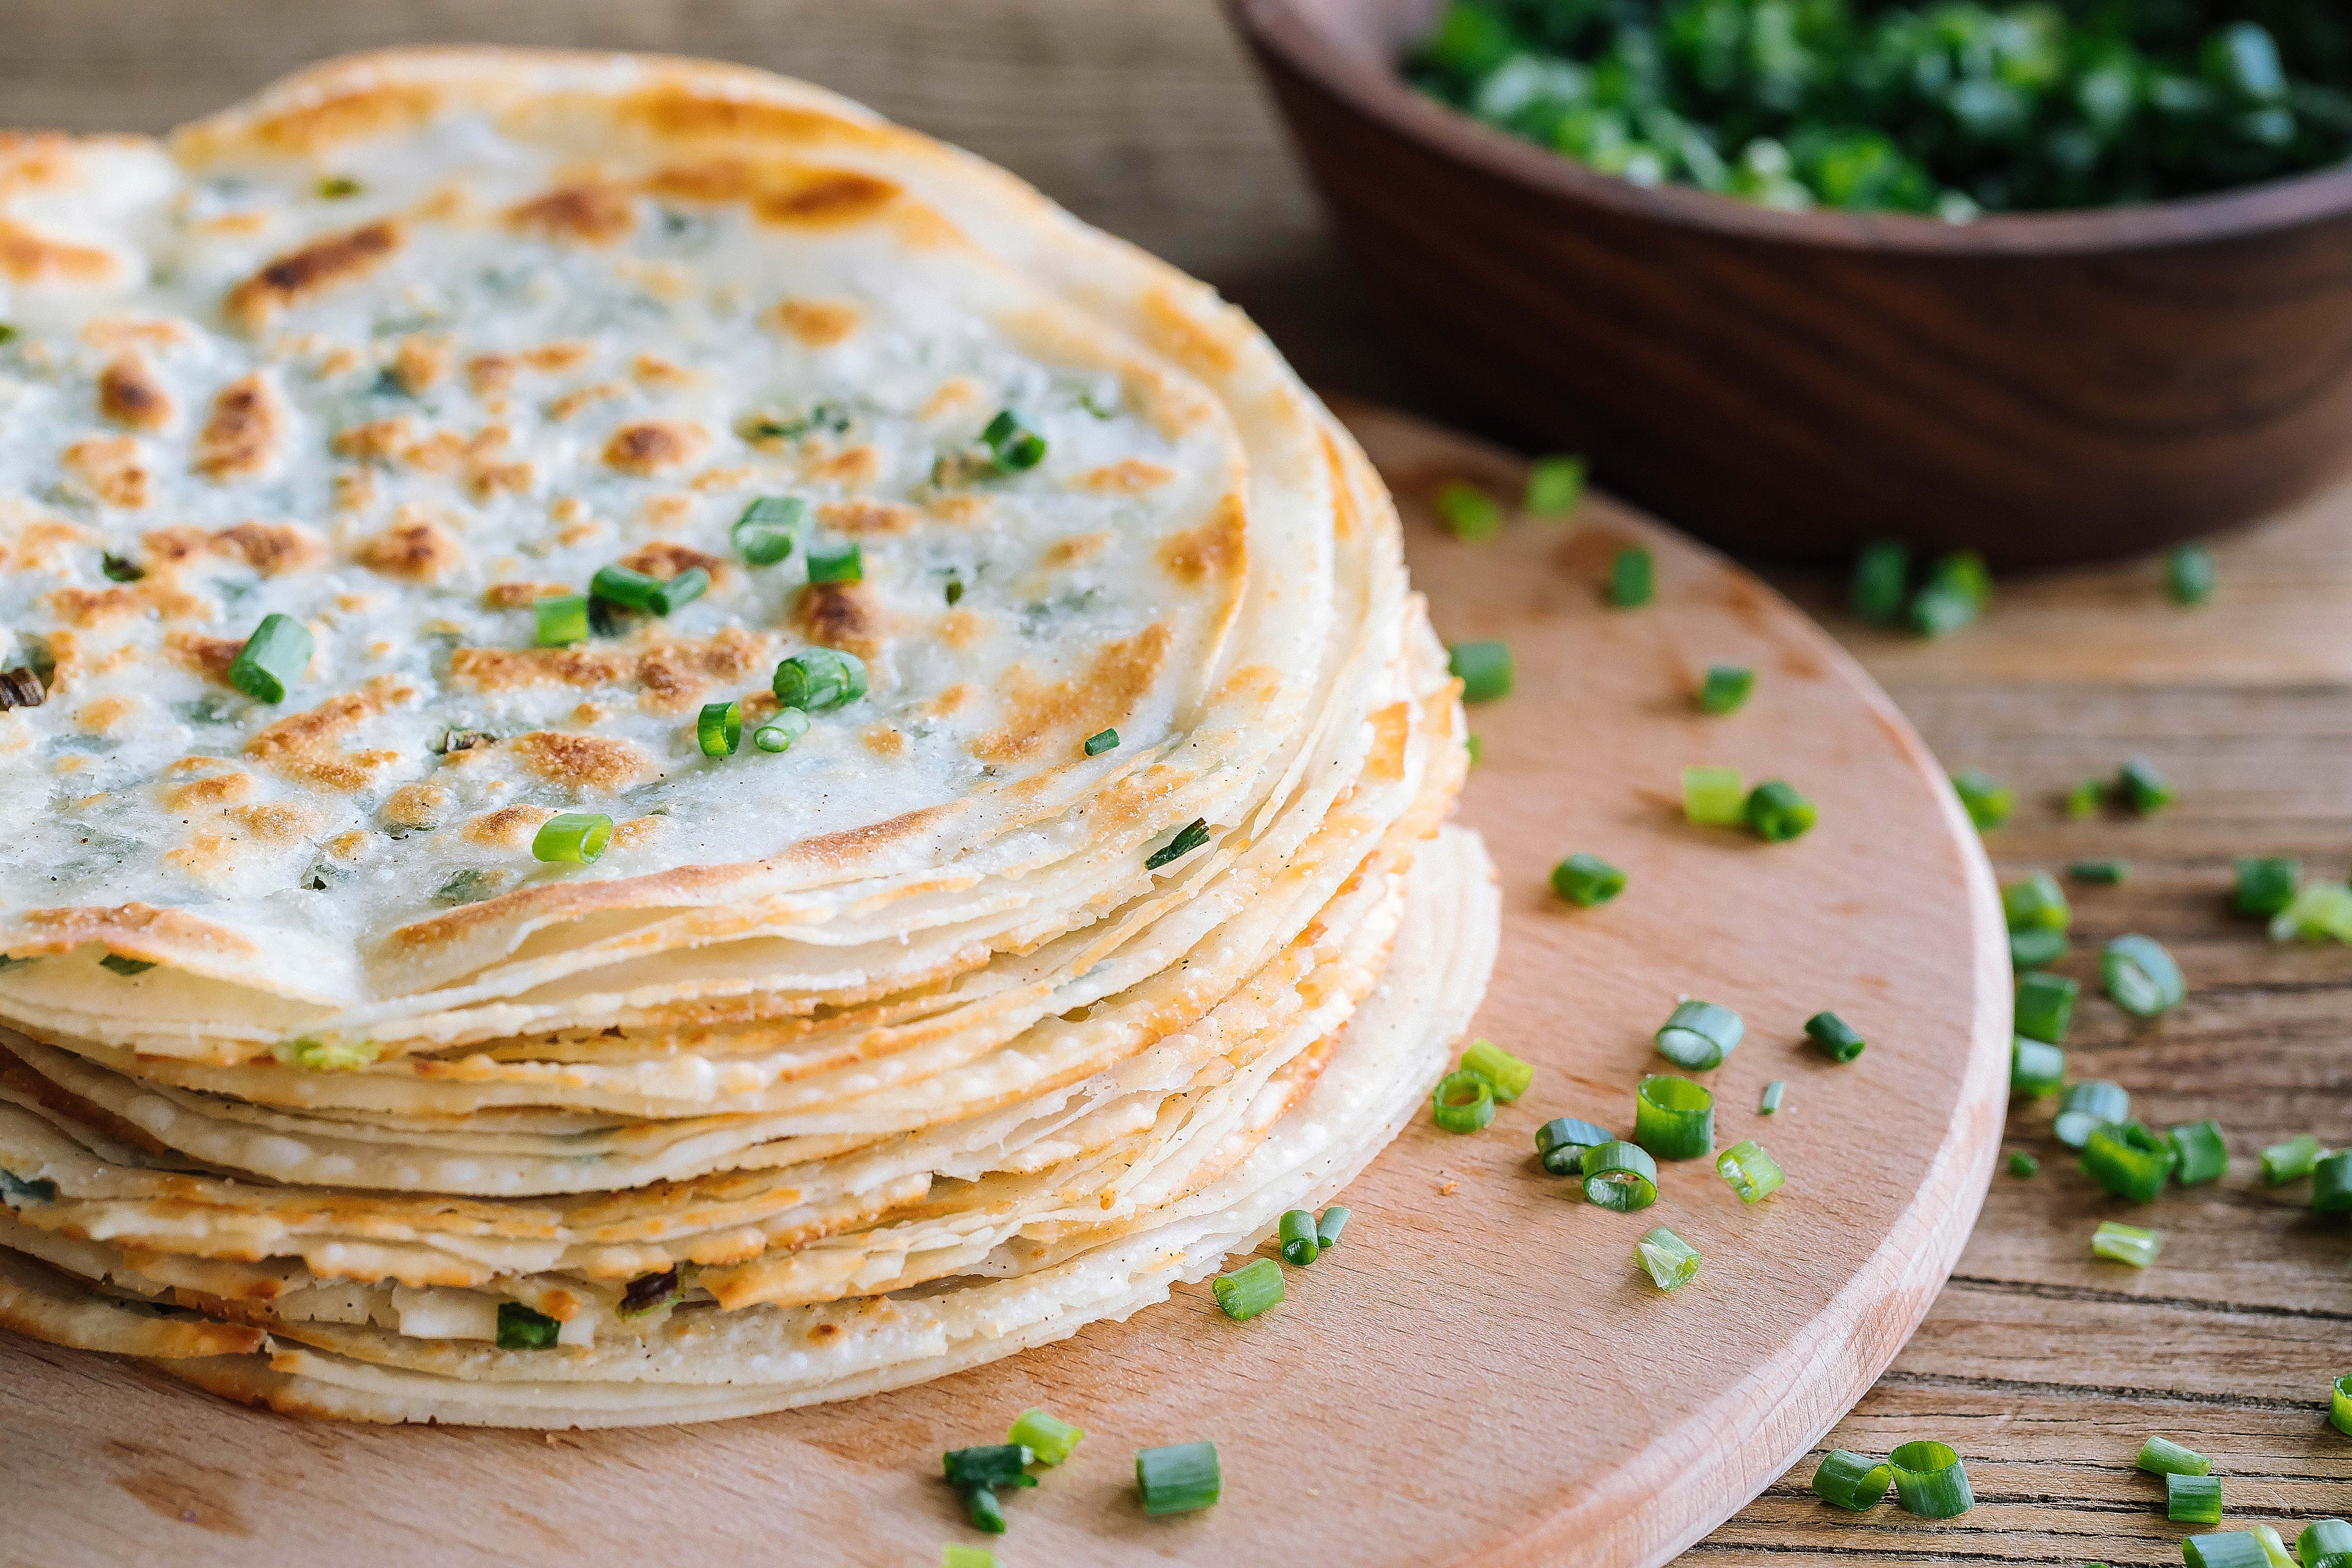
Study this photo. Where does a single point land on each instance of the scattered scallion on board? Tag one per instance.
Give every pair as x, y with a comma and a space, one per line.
1985, 798
1699, 1034
1248, 1291
2226, 1549
1931, 1480
2090, 1103
1671, 1261
2141, 976
1327, 1229
2021, 1164
2163, 1456
956, 1554
1776, 813
1632, 578
1507, 1074
2265, 885
273, 658
2036, 902
2327, 1543
1882, 579
2035, 1067
2340, 1412
2331, 1184
1468, 512
1463, 1101
2200, 1155
575, 837
2283, 1162
1561, 1143
1300, 1246
1585, 879
1769, 1104
2319, 912
1674, 1119
2274, 1548
2192, 1499
2189, 574
2139, 786
1848, 1481
2086, 799
1751, 1173
1725, 688
2036, 949
2123, 1243
1836, 1038
1555, 485
2128, 1160
2102, 873
977, 1472
1956, 590
1483, 667
1178, 1478
1620, 1177
2045, 1006
1714, 798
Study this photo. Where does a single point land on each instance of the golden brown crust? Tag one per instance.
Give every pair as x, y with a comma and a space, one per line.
112, 468
587, 212
301, 276
241, 438
1216, 551
29, 256
589, 763
413, 548
647, 446
306, 746
1038, 713
130, 395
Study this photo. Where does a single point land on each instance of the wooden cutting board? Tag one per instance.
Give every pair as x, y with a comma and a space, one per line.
1479, 1374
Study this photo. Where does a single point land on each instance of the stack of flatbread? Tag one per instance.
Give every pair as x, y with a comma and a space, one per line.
1115, 918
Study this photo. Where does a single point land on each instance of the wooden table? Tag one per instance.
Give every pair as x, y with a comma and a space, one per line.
2045, 1367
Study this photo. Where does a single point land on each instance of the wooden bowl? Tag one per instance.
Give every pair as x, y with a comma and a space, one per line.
2046, 388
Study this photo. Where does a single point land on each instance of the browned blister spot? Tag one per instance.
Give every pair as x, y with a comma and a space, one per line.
241, 438
487, 374
636, 832
414, 807
105, 715
666, 558
30, 257
307, 745
953, 699
208, 657
1076, 548
586, 212
1036, 712
1204, 346
677, 111
861, 518
116, 334
276, 821
422, 359
95, 606
591, 763
961, 510
671, 674
347, 117
851, 467
839, 615
1128, 477
883, 741
112, 470
647, 447
1217, 550
814, 323
130, 395
961, 629
210, 792
303, 275
652, 370
272, 549
377, 440
414, 549
522, 595
485, 478
564, 353
508, 828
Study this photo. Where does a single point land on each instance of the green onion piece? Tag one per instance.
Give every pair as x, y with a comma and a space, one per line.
1673, 1118
1188, 837
2318, 912
643, 592
337, 187
1725, 688
1771, 1102
1931, 1480
2035, 1067
1632, 578
1050, 1439
272, 658
2189, 574
1699, 1034
1300, 1246
1507, 1074
2327, 1543
2265, 886
2340, 1404
2105, 873
981, 1508
719, 728
2093, 1102
990, 1465
1249, 1289
1754, 1174
2331, 1184
1671, 1260
1483, 667
1937, 611
956, 1554
2086, 799
2129, 1161
1714, 798
2194, 1500
1463, 1101
1849, 1481
817, 678
2273, 1547
1328, 1228
2139, 786
778, 732
327, 1055
2021, 1164
1561, 1143
2199, 1153
126, 966
561, 621
1619, 1177
2037, 903
2164, 1456
1554, 487
1102, 741
2124, 1244
1013, 445
2037, 948
764, 534
578, 836
1835, 1036
2141, 976
1881, 575
1468, 512
16, 1191
1777, 813
120, 568
2283, 1162
1476, 747
1985, 798
845, 564
1179, 1477
1963, 571
2046, 1006
520, 1329
2221, 1548
1585, 881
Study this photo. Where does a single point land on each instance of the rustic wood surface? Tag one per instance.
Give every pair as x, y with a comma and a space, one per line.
2042, 1366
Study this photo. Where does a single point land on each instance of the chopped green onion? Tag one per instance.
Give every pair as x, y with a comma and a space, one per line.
2163, 1456
1931, 1480
1554, 487
327, 1055
2035, 1067
954, 590
719, 728
1468, 512
645, 593
990, 1465
2331, 1184
1050, 1439
2194, 1500
1771, 1102
2021, 1164
1882, 577
1632, 578
1249, 1289
1507, 1074
2189, 574
2035, 948
2220, 1548
1561, 1143
1585, 881
2327, 1543
1188, 837
1985, 798
561, 621
1963, 571
338, 187
2141, 976
2200, 1152
765, 533
120, 568
520, 1329
1727, 687
2317, 912
981, 1508
2272, 1546
2139, 786
2283, 1162
817, 678
1939, 611
2093, 1102
1699, 1034
16, 1191
1476, 747
1328, 1228
1102, 741
2046, 1006
1619, 1177
844, 563
1483, 667
956, 1554
1300, 1246
578, 836
2037, 903
1835, 1036
1014, 447
1463, 1101
1754, 1174
2265, 885
2124, 1244
2339, 1407
1671, 1260
778, 732
126, 966
1777, 813
2105, 873
272, 658
1673, 1118
2086, 799
1178, 1479
1714, 798
1849, 1481
2128, 1160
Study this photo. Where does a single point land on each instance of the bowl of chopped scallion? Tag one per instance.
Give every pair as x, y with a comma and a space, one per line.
2051, 279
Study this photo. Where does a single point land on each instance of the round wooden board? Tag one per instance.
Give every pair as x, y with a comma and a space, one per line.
1479, 1374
